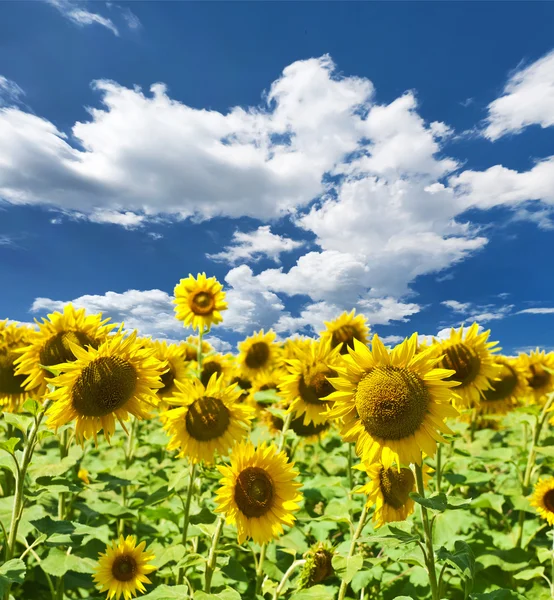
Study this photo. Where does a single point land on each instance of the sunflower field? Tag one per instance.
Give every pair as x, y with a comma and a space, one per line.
298, 469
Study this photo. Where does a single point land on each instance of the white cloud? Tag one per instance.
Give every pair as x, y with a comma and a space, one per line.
392, 340
480, 313
127, 219
536, 311
80, 16
10, 92
457, 306
133, 22
255, 245
149, 154
528, 99
6, 240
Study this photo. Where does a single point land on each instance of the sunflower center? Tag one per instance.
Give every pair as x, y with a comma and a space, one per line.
464, 361
202, 303
208, 370
539, 377
257, 355
314, 386
345, 335
391, 402
323, 567
395, 486
503, 388
207, 419
254, 492
57, 350
167, 379
548, 500
10, 383
103, 386
124, 568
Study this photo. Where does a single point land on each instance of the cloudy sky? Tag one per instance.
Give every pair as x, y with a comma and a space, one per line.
315, 157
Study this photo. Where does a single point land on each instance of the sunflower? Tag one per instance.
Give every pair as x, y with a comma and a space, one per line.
12, 390
388, 489
52, 344
208, 419
220, 364
318, 566
392, 403
266, 382
243, 383
309, 433
123, 568
507, 388
539, 369
114, 380
345, 329
190, 348
258, 493
259, 354
199, 301
470, 356
543, 499
306, 385
174, 357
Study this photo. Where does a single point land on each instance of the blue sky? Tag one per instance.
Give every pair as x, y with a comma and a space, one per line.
393, 157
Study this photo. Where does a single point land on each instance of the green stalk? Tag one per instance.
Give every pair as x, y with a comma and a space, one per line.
357, 533
350, 474
63, 453
295, 564
21, 472
260, 569
531, 458
439, 467
199, 351
430, 554
129, 451
181, 573
286, 425
210, 565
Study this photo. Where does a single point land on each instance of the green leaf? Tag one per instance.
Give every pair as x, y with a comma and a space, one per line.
267, 397
51, 468
20, 422
317, 592
166, 592
529, 574
489, 500
166, 555
502, 594
58, 563
439, 502
10, 445
12, 571
32, 407
345, 568
226, 594
462, 559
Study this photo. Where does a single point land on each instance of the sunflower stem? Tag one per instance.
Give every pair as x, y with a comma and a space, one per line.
290, 570
64, 438
210, 565
350, 460
129, 451
199, 351
21, 472
286, 425
186, 518
260, 569
357, 533
531, 457
430, 559
439, 467
552, 567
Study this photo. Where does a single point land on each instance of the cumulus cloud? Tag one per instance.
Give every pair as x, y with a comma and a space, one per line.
10, 92
528, 99
254, 245
77, 14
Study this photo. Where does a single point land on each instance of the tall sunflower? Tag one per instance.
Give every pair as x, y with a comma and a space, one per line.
115, 380
392, 403
539, 370
507, 389
259, 354
345, 329
308, 433
123, 568
199, 301
208, 419
220, 364
306, 386
52, 344
190, 348
388, 489
258, 493
174, 357
543, 499
12, 391
470, 355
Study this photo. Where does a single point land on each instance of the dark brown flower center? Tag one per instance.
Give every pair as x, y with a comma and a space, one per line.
257, 355
57, 350
168, 379
254, 492
297, 425
202, 303
323, 567
465, 361
207, 419
103, 386
314, 386
539, 377
548, 500
504, 387
124, 568
391, 402
208, 369
10, 383
395, 486
346, 335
